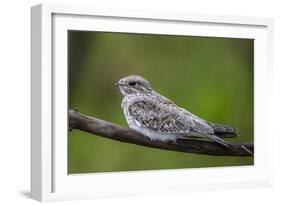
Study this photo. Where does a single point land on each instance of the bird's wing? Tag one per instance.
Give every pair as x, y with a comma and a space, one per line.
166, 117
199, 125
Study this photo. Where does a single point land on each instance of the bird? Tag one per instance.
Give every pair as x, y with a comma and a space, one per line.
159, 119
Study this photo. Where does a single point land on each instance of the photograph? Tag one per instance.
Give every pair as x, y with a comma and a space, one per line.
141, 102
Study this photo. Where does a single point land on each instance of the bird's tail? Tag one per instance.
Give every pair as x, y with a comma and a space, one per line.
224, 130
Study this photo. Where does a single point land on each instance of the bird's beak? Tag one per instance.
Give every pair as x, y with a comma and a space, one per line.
117, 84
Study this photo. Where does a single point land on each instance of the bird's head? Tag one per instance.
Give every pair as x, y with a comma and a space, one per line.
133, 84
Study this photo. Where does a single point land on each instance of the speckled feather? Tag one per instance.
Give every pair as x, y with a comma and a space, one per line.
158, 114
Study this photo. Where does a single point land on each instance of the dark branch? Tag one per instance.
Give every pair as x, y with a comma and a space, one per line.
113, 131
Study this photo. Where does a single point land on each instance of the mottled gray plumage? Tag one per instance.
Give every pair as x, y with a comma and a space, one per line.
158, 118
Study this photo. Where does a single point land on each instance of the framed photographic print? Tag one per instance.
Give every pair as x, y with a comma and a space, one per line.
137, 102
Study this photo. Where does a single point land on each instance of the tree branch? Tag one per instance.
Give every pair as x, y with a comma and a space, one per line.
116, 132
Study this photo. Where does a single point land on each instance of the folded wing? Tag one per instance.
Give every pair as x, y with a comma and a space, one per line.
166, 117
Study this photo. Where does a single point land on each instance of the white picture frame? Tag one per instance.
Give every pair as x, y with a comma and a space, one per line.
49, 178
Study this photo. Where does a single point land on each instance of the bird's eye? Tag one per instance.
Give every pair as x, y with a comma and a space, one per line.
132, 83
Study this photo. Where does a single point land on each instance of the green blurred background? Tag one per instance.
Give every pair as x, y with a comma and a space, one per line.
210, 77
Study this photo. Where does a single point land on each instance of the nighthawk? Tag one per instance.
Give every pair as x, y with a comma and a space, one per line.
158, 118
